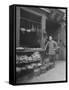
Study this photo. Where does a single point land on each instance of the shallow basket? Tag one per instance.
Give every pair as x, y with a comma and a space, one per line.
43, 69
36, 71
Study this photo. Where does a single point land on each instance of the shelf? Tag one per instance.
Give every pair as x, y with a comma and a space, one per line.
30, 20
30, 50
24, 63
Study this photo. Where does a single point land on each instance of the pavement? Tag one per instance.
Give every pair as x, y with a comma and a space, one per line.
58, 73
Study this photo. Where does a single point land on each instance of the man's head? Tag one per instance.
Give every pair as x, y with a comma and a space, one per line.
50, 37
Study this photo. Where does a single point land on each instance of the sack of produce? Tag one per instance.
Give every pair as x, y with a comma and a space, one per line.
29, 67
23, 68
30, 59
36, 56
34, 65
24, 58
39, 64
17, 57
18, 69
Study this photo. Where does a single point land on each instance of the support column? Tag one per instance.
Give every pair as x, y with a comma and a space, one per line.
43, 28
17, 26
63, 38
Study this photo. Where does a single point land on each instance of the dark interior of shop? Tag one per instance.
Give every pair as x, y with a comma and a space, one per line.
52, 27
29, 21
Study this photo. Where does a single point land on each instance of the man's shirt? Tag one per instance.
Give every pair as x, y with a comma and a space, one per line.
52, 45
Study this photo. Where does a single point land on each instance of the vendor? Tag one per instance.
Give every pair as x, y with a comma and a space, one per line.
52, 45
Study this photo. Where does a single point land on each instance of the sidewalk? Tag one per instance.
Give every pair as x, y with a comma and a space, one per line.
56, 74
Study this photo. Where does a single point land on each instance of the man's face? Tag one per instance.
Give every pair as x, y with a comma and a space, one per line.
50, 38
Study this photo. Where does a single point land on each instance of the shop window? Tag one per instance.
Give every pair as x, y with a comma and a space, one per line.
30, 29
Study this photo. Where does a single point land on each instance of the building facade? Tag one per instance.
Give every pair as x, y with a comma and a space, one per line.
34, 25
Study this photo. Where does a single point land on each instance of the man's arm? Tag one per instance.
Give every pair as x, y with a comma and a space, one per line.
56, 45
46, 45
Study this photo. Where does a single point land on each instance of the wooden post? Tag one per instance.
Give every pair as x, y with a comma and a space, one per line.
43, 28
17, 26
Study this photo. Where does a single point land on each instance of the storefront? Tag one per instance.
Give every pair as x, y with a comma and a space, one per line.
30, 40
33, 26
30, 27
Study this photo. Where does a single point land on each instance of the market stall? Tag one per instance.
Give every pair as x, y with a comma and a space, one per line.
31, 61
31, 57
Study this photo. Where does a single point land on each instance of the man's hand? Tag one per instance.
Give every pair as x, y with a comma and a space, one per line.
56, 48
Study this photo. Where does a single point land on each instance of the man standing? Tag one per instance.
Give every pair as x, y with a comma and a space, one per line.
52, 47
